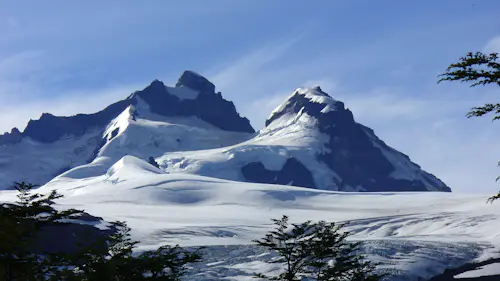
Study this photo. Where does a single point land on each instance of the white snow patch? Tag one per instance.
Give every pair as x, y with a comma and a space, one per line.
130, 165
121, 122
183, 93
314, 95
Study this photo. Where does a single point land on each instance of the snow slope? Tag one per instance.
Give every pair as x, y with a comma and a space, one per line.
307, 136
310, 140
294, 137
52, 144
139, 132
136, 131
411, 234
38, 163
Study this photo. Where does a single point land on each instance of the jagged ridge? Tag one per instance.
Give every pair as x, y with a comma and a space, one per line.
355, 153
311, 140
207, 105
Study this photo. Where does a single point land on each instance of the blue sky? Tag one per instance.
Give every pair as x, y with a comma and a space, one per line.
380, 57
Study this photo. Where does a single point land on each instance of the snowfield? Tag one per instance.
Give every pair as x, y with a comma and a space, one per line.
412, 235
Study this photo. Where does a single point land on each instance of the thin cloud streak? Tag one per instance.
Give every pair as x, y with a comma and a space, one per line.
493, 46
83, 101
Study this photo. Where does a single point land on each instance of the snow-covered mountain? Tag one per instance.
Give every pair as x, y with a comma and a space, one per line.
51, 145
311, 140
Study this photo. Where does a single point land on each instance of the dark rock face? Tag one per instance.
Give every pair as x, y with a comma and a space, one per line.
353, 155
50, 128
195, 81
293, 173
153, 162
208, 106
13, 137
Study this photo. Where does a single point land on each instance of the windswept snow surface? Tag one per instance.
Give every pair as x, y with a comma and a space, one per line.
140, 133
314, 95
295, 135
412, 234
38, 163
183, 92
290, 136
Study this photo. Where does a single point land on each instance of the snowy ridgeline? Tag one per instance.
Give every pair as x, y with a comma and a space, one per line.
310, 140
411, 234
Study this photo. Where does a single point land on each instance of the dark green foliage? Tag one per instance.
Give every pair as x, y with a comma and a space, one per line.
493, 198
315, 251
20, 224
167, 263
109, 258
119, 263
480, 69
291, 247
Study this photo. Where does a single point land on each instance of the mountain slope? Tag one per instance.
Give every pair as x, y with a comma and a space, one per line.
311, 140
140, 133
51, 145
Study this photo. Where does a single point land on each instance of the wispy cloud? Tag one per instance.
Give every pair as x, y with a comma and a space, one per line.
72, 102
232, 74
493, 46
30, 85
21, 64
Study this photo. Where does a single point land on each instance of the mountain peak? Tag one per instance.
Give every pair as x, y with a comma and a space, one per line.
14, 136
15, 131
156, 83
359, 158
195, 81
312, 101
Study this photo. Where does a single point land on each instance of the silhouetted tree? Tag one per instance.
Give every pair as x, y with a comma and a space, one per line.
21, 224
110, 257
315, 251
118, 262
480, 69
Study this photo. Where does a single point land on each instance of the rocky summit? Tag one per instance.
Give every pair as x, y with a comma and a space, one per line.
358, 157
